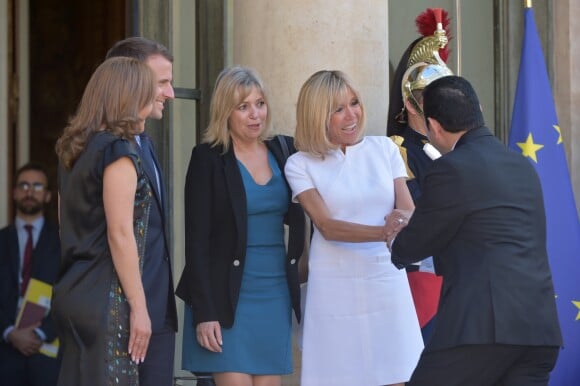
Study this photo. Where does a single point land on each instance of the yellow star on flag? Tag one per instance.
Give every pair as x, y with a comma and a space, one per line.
529, 148
560, 140
577, 304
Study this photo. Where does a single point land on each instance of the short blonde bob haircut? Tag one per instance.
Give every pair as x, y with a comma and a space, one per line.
232, 86
318, 99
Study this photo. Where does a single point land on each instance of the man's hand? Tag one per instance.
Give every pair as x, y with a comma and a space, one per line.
25, 340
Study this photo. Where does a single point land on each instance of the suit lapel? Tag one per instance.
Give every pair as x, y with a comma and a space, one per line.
37, 261
237, 193
150, 172
161, 182
153, 179
276, 152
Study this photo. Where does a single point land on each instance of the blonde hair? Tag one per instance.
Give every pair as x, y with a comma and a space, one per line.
318, 99
115, 94
232, 86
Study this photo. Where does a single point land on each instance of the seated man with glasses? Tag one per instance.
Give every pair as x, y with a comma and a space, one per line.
29, 248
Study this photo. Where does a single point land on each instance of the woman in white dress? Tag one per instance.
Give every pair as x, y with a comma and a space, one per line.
360, 325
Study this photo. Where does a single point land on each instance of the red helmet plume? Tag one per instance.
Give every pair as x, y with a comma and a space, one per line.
427, 24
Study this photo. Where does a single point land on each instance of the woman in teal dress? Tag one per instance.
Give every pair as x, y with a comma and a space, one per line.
240, 282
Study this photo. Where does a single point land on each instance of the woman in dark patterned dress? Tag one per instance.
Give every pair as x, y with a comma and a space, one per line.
98, 301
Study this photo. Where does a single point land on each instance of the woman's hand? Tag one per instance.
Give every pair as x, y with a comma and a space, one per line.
209, 336
397, 220
119, 187
140, 333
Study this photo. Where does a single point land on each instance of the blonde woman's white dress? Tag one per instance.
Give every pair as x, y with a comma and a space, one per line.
360, 325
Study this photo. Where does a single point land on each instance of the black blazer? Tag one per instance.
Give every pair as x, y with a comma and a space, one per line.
216, 234
481, 215
45, 267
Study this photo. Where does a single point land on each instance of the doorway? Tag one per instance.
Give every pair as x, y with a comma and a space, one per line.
65, 41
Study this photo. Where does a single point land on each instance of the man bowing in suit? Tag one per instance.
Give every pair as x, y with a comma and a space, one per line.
29, 248
481, 215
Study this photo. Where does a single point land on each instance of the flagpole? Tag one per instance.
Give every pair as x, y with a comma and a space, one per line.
527, 3
459, 38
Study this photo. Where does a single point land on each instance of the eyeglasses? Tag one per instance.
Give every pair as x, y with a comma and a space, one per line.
36, 187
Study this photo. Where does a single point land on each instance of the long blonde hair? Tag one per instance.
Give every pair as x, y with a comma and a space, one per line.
115, 94
317, 100
232, 86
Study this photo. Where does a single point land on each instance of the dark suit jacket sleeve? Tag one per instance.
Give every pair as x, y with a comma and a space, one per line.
436, 219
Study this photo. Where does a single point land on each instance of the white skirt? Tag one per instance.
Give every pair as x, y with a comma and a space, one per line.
360, 326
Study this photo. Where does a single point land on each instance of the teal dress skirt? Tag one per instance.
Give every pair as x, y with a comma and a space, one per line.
260, 341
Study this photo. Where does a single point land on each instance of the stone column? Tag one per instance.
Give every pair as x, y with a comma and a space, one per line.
287, 41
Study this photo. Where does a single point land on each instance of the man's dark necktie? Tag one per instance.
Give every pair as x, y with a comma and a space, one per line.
27, 261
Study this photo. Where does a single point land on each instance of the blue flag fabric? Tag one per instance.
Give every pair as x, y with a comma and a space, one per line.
536, 134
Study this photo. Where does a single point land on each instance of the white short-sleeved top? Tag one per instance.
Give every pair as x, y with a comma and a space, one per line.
356, 185
360, 177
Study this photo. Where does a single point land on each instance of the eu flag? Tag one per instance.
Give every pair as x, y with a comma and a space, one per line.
536, 134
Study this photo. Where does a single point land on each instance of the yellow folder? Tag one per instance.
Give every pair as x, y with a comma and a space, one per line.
33, 308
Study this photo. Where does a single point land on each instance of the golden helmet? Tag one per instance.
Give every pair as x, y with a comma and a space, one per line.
421, 64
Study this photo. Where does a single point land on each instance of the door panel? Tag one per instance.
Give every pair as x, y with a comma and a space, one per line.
68, 40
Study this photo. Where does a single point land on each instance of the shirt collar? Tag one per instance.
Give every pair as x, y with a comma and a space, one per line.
37, 224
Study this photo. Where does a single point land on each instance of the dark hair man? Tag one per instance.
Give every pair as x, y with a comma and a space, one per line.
481, 216
157, 369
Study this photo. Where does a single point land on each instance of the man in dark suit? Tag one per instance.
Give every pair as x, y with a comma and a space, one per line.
481, 216
157, 369
21, 363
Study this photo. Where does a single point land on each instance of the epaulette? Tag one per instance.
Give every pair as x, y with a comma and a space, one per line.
398, 140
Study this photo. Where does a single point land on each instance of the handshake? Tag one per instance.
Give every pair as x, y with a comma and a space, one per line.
394, 223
